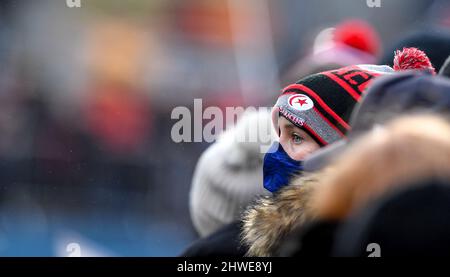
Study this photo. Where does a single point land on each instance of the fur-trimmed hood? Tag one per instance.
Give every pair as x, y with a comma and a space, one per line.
271, 219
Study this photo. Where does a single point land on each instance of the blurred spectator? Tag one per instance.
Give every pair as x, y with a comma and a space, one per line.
397, 231
228, 175
350, 42
434, 42
394, 155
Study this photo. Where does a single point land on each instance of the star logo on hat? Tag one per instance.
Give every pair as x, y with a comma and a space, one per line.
300, 102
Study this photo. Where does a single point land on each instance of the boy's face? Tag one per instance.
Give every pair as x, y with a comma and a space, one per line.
296, 142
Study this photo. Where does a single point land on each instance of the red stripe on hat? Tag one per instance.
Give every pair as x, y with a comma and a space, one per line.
311, 131
329, 123
343, 84
288, 92
320, 102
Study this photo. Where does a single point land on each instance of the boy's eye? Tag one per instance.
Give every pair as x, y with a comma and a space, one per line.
297, 139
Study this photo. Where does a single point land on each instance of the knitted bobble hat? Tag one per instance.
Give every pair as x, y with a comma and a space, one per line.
321, 104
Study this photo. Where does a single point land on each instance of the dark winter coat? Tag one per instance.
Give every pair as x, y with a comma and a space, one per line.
223, 243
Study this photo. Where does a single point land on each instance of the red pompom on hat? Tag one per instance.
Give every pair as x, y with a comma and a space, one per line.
412, 58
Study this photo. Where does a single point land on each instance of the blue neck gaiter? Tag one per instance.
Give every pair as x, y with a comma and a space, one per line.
279, 168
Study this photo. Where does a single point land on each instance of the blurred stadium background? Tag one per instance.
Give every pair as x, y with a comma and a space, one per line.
86, 96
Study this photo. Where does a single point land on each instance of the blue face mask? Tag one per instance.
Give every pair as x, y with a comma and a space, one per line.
279, 168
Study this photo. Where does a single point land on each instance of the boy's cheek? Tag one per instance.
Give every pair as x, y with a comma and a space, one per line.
291, 151
300, 152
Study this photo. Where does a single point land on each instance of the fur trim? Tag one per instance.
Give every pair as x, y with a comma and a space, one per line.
271, 219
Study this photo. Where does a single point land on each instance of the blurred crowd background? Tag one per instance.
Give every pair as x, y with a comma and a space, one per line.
86, 96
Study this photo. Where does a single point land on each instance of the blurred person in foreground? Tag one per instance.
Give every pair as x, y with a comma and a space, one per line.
384, 159
383, 162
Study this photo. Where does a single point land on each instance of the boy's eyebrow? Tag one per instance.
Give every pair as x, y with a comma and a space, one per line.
290, 126
287, 125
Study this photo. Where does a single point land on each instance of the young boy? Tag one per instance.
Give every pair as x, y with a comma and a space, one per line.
315, 112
